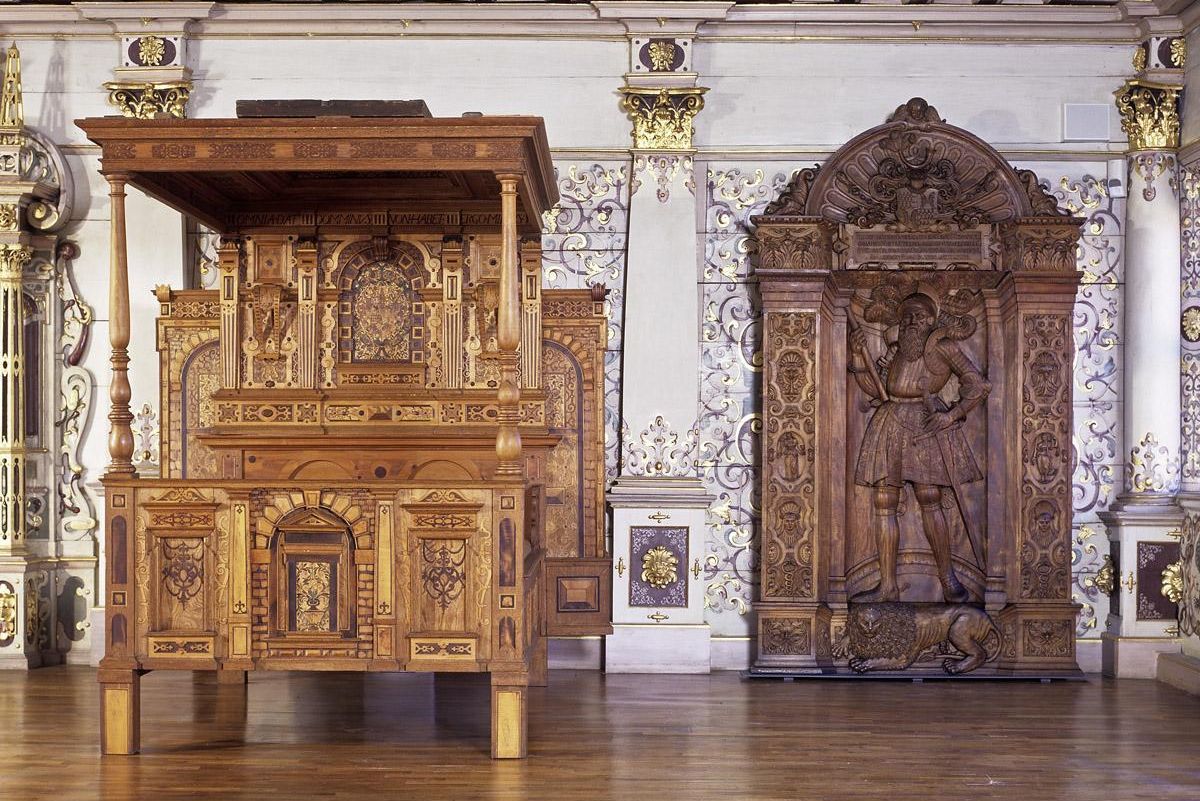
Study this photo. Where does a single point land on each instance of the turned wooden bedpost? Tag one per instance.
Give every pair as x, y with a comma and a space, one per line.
120, 437
508, 438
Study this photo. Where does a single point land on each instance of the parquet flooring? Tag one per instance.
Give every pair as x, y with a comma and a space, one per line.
646, 738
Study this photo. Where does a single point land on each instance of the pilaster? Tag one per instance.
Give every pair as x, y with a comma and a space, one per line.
1141, 523
659, 503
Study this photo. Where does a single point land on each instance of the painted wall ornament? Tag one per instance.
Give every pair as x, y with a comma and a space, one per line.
659, 450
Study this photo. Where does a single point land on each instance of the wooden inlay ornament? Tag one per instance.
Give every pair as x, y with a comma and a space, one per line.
355, 418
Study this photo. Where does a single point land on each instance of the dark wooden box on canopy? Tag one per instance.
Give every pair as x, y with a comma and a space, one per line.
382, 442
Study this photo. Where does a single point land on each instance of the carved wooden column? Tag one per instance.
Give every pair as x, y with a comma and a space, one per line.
508, 333
531, 313
1147, 512
229, 259
13, 258
452, 320
120, 438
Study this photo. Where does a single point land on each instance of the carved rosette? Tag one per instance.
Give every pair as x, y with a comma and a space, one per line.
1150, 114
662, 117
148, 101
786, 636
1045, 554
789, 499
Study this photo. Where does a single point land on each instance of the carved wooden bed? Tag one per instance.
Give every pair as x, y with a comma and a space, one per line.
381, 439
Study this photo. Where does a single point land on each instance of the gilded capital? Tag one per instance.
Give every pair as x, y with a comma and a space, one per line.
13, 259
1150, 114
662, 117
148, 101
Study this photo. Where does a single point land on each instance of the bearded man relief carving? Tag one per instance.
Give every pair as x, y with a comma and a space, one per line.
914, 437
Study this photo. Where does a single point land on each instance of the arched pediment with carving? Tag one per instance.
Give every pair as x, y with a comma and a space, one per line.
915, 176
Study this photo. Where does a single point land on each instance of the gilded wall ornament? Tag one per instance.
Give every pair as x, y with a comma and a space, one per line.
1150, 166
1139, 57
659, 450
662, 118
150, 50
1151, 468
662, 55
148, 101
1191, 324
1179, 52
1149, 114
660, 567
1172, 582
664, 170
1105, 580
9, 217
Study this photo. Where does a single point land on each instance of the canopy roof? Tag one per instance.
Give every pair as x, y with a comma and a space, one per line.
234, 173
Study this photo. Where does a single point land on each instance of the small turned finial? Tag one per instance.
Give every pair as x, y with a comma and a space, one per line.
12, 112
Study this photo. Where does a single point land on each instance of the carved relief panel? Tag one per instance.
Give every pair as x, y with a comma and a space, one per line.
916, 293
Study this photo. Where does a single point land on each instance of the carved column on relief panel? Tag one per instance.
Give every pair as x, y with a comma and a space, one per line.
1044, 555
789, 481
793, 624
229, 258
531, 313
452, 333
306, 322
1038, 629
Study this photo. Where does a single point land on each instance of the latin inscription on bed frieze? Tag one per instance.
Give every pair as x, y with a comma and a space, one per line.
917, 249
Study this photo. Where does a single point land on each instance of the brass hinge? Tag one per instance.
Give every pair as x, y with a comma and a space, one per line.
659, 617
620, 565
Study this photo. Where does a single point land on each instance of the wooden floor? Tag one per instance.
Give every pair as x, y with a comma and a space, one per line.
288, 737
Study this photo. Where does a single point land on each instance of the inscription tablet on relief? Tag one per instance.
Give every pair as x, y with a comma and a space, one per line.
871, 249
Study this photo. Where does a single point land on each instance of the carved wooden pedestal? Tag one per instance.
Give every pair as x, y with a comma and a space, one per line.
917, 295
